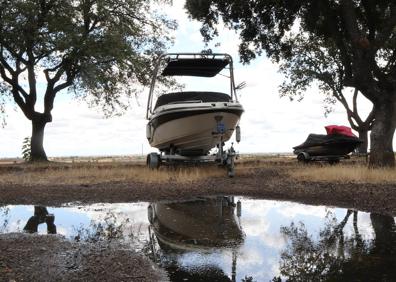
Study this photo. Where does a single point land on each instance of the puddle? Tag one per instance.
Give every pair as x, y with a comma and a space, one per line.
230, 239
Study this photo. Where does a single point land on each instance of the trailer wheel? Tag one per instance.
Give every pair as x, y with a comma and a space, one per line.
153, 161
302, 158
230, 166
231, 172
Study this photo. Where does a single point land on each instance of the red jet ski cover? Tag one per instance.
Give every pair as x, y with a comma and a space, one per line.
339, 129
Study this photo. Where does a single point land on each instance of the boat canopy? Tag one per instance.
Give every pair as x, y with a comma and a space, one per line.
205, 67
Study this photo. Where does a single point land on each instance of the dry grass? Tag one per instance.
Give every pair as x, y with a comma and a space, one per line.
83, 174
87, 171
345, 173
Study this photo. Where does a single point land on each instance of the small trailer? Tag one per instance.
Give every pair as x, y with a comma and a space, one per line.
336, 145
304, 157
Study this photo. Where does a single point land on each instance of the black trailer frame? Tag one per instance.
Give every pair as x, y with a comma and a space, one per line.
304, 157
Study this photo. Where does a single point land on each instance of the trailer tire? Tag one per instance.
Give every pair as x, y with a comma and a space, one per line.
230, 166
302, 158
153, 161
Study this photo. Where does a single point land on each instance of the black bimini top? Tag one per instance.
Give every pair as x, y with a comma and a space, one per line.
195, 67
180, 97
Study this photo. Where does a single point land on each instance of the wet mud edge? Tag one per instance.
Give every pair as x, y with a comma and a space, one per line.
264, 183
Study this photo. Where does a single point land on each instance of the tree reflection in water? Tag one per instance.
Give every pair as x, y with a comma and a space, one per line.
336, 257
111, 228
4, 211
40, 216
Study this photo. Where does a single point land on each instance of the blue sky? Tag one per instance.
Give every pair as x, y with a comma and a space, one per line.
269, 124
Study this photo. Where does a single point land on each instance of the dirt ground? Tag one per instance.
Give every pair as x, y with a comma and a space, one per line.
269, 181
29, 257
26, 257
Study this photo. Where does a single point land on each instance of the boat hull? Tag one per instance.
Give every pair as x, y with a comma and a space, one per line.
193, 130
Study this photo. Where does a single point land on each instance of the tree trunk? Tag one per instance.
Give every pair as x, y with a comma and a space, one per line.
385, 237
37, 148
382, 132
363, 135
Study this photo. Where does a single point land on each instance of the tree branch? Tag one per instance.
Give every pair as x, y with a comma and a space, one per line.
31, 79
355, 108
352, 123
355, 93
17, 55
5, 64
370, 119
16, 92
11, 81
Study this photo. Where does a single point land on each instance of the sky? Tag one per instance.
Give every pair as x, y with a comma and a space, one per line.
270, 124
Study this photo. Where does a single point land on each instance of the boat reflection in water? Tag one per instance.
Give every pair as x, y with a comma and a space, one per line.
40, 216
196, 227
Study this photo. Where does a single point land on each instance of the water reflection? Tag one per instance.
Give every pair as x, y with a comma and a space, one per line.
210, 239
203, 225
4, 211
111, 228
40, 216
337, 257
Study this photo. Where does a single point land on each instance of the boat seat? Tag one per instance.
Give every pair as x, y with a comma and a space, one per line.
203, 96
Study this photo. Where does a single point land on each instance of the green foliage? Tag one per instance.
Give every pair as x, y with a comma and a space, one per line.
103, 50
26, 149
334, 43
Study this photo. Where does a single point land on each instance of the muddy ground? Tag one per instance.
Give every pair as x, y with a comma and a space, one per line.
29, 257
271, 182
26, 257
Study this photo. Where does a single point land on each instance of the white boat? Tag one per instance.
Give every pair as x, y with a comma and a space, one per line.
189, 124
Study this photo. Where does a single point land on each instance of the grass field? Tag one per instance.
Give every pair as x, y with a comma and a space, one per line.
88, 173
85, 171
345, 173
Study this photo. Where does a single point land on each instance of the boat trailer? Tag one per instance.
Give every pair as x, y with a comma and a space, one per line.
304, 157
223, 157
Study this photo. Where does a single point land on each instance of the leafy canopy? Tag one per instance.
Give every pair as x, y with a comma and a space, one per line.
338, 43
101, 49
